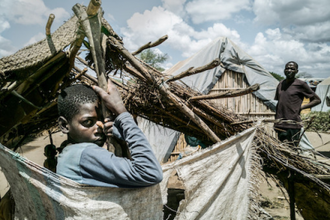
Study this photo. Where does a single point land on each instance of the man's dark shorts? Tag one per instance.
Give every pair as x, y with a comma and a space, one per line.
291, 135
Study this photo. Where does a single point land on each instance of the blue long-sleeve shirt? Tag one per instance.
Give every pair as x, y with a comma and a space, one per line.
90, 164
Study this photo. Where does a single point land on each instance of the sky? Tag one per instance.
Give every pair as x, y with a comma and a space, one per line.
273, 32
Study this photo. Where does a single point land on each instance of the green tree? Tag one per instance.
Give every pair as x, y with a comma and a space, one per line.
153, 59
277, 76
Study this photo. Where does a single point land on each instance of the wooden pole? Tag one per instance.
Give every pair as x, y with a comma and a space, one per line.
192, 70
93, 7
149, 45
49, 24
90, 21
228, 94
292, 199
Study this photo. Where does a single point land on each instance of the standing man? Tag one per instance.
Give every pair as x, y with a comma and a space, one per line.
290, 94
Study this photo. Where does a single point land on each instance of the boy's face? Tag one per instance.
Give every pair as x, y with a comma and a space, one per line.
85, 125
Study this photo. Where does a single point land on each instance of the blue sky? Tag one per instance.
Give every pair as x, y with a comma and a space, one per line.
273, 32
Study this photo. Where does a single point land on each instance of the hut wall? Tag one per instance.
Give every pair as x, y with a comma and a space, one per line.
248, 105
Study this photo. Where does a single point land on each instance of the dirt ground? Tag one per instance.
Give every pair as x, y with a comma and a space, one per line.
272, 197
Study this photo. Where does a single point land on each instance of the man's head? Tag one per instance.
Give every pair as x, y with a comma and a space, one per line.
80, 117
290, 71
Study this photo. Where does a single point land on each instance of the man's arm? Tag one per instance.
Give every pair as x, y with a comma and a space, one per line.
315, 100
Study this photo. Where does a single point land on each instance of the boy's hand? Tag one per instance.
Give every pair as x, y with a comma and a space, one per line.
111, 98
108, 127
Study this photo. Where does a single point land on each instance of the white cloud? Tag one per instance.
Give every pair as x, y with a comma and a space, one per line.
275, 49
286, 12
35, 39
4, 25
175, 6
25, 12
304, 19
319, 32
153, 24
29, 12
210, 10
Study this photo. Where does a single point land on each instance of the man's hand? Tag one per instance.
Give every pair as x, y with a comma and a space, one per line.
111, 98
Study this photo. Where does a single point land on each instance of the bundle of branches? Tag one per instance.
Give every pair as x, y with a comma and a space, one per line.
304, 178
159, 98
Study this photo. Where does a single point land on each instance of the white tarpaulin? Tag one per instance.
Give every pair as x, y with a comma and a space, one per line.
162, 140
219, 184
41, 194
323, 91
220, 180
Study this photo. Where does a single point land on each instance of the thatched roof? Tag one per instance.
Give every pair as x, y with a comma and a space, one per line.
25, 61
30, 80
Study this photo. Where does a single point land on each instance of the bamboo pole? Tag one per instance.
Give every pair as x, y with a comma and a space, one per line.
150, 45
208, 117
49, 24
91, 78
93, 7
238, 92
192, 70
85, 63
90, 21
134, 72
24, 99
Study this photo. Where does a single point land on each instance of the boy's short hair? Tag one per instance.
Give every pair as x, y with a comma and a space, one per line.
72, 97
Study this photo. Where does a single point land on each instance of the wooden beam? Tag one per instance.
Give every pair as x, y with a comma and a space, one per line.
192, 70
49, 24
90, 21
228, 94
149, 45
93, 7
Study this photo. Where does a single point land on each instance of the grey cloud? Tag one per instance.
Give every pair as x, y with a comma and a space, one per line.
209, 10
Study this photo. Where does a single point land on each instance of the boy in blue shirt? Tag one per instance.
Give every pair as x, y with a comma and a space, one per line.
84, 160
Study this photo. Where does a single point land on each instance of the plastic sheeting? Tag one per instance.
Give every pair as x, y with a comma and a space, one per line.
233, 58
323, 90
219, 184
220, 181
161, 139
42, 194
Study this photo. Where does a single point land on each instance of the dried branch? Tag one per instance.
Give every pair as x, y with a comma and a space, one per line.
228, 94
192, 70
163, 90
149, 45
